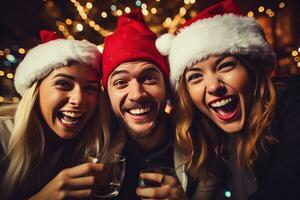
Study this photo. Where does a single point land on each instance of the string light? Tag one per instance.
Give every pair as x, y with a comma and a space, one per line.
90, 22
68, 21
9, 75
79, 27
295, 53
89, 5
261, 9
127, 10
281, 5
153, 11
103, 14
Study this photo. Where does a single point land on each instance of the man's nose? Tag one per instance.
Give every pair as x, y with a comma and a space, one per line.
136, 91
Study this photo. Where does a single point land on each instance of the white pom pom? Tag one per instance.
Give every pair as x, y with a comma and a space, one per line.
164, 43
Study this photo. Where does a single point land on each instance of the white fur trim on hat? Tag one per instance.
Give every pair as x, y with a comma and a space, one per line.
42, 59
233, 34
164, 43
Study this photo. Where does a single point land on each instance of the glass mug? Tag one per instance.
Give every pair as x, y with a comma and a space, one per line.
109, 181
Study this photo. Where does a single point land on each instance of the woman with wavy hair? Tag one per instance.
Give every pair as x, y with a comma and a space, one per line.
230, 113
47, 136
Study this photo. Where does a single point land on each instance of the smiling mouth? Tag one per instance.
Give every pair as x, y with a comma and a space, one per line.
140, 111
69, 118
226, 108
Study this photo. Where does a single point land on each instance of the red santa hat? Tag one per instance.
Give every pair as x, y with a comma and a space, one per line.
218, 29
131, 41
51, 54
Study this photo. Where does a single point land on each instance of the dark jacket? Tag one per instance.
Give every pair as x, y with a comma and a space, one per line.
276, 173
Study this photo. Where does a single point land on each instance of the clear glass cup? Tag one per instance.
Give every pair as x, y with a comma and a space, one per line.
109, 181
164, 171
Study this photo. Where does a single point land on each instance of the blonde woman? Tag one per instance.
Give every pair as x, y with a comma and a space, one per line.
46, 137
229, 109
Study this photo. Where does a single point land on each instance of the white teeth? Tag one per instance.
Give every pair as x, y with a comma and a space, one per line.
69, 122
72, 114
138, 111
221, 103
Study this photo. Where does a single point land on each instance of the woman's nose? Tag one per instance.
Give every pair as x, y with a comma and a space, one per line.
76, 96
215, 85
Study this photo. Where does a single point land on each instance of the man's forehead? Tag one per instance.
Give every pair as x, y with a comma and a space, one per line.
135, 67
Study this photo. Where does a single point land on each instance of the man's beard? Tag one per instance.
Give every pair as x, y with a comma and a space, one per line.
147, 134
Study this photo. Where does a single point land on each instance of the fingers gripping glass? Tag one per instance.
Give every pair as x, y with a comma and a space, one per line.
160, 172
109, 181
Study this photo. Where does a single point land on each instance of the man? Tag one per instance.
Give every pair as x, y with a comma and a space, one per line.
135, 76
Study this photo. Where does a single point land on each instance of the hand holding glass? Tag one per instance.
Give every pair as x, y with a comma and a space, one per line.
160, 172
109, 182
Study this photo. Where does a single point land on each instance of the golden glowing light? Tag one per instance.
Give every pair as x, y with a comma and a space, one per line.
145, 12
92, 23
2, 73
127, 10
250, 14
119, 12
1, 99
182, 11
97, 27
9, 75
186, 1
297, 59
281, 5
295, 53
61, 27
268, 11
193, 1
144, 6
89, 5
261, 9
153, 10
272, 14
104, 14
298, 64
79, 27
1, 53
68, 21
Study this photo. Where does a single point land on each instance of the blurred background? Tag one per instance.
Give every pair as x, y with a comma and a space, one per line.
21, 21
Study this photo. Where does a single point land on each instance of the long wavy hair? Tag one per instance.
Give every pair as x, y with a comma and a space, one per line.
204, 144
27, 140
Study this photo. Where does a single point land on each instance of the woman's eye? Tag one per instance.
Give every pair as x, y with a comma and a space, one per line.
194, 76
63, 84
227, 66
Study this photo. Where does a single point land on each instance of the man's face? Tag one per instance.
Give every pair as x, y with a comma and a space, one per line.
137, 93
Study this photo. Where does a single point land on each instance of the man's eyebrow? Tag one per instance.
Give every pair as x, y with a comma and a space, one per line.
151, 69
116, 72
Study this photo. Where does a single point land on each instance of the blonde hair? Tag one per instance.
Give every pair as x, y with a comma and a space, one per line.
27, 141
203, 143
